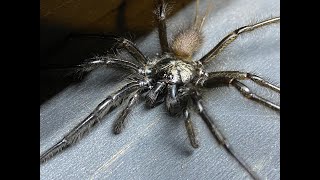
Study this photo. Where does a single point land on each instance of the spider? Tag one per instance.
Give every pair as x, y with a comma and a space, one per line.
173, 78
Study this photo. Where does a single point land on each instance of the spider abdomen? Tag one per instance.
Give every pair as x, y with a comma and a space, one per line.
186, 43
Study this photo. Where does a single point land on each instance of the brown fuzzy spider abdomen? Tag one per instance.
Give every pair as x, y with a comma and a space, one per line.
186, 43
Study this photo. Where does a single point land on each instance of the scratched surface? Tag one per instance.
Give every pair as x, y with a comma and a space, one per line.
155, 145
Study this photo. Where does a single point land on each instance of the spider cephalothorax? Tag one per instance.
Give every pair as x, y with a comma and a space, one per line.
173, 78
170, 74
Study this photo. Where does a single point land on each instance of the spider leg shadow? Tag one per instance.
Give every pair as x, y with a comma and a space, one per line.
178, 143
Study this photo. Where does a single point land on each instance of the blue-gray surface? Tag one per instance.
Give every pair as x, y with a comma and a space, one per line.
155, 145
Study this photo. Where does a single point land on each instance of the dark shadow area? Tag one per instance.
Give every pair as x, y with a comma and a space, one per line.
57, 61
58, 52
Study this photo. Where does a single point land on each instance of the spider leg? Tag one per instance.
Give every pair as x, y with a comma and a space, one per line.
120, 122
219, 136
121, 42
133, 50
162, 27
227, 76
232, 77
263, 82
232, 36
244, 90
198, 21
99, 61
190, 130
112, 101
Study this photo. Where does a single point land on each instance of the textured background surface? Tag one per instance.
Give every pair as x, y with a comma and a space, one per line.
154, 145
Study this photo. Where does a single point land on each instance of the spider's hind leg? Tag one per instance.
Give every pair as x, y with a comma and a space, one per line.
198, 21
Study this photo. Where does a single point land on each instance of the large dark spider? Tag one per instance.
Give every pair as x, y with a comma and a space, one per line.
172, 77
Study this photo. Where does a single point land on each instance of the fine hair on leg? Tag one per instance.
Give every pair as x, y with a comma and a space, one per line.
111, 102
120, 122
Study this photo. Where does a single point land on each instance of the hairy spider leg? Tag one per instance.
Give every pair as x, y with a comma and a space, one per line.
120, 122
100, 61
133, 50
232, 36
161, 15
232, 77
111, 102
121, 42
218, 135
263, 82
246, 92
92, 63
198, 22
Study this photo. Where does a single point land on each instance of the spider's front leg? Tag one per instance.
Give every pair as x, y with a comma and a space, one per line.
112, 101
231, 78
